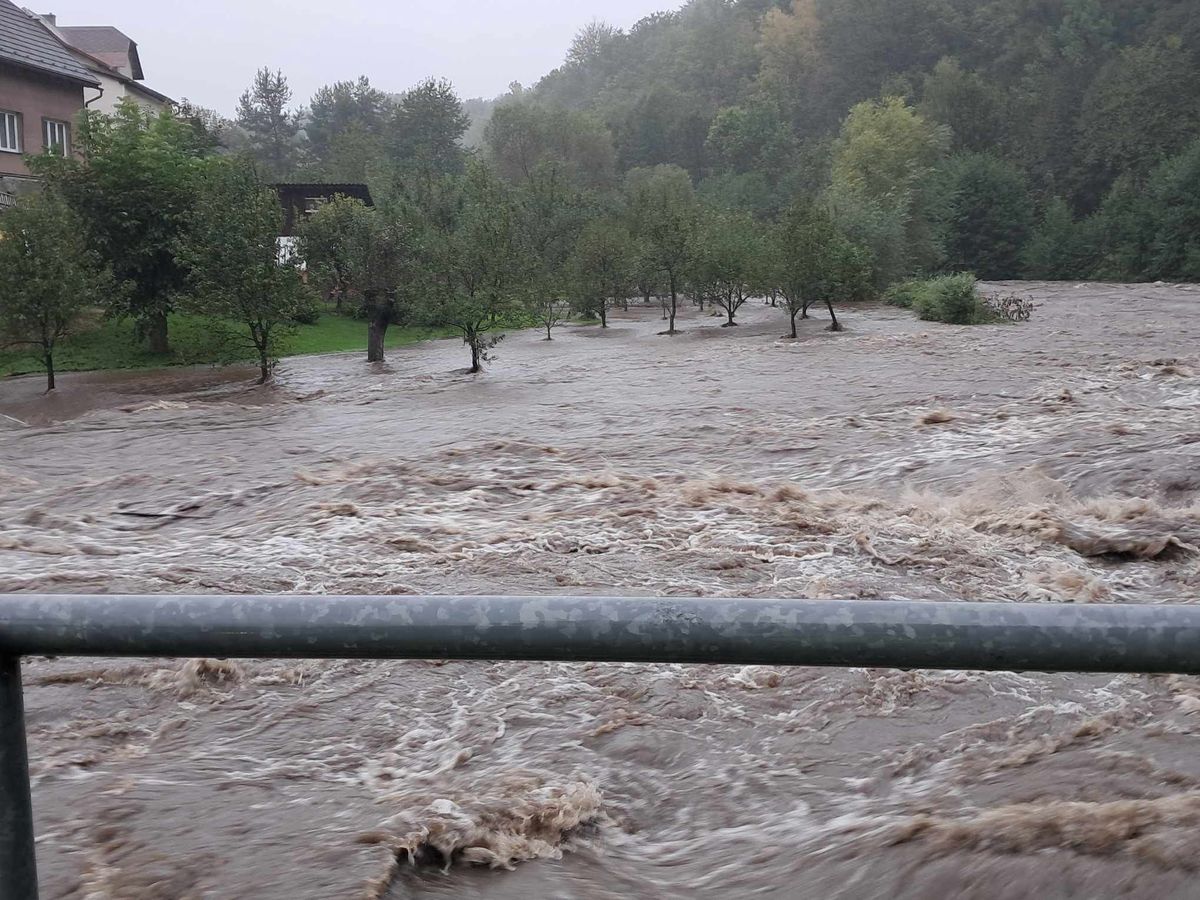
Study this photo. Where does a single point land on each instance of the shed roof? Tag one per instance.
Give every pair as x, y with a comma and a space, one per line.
26, 42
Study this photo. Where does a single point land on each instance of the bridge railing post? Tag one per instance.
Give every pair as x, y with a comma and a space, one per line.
18, 866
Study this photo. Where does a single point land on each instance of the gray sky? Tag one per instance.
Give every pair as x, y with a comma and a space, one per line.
209, 51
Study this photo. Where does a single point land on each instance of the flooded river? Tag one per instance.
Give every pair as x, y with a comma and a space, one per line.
1057, 461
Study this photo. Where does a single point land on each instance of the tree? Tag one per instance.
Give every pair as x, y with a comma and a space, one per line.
374, 254
1141, 109
663, 208
1059, 248
884, 158
985, 215
727, 261
812, 261
383, 269
601, 267
232, 253
477, 271
342, 108
750, 137
522, 139
327, 241
48, 275
964, 102
1174, 191
271, 126
427, 128
133, 191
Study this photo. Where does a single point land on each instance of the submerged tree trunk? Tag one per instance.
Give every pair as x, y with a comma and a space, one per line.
729, 310
836, 326
156, 333
48, 359
548, 324
793, 312
476, 364
674, 303
381, 317
603, 315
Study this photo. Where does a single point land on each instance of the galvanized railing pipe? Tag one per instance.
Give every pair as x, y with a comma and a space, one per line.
885, 634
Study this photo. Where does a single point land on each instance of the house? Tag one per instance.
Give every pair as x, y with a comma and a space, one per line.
42, 90
112, 57
300, 200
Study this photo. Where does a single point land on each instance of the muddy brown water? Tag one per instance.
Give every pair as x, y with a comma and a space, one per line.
1055, 461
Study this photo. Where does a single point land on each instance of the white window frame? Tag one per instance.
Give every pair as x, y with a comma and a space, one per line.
10, 131
55, 128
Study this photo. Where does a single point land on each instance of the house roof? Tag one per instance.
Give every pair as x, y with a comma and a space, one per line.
107, 43
25, 42
110, 45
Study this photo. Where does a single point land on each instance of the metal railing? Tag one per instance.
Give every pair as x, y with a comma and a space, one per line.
885, 634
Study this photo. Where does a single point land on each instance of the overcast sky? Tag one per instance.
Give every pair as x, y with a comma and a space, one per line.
208, 51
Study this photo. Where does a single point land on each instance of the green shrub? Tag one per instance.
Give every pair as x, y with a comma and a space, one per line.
308, 311
903, 293
951, 299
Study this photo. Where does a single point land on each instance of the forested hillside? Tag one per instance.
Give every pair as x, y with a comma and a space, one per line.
1034, 111
1037, 138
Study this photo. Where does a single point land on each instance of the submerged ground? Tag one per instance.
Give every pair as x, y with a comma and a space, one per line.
1055, 461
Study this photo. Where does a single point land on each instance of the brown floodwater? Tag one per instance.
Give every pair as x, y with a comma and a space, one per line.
1055, 461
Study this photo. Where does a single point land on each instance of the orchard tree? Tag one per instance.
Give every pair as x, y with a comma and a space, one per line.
49, 275
232, 253
272, 127
352, 249
727, 262
134, 190
601, 268
326, 242
664, 212
812, 261
477, 270
384, 270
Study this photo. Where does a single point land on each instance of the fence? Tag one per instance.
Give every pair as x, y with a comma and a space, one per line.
890, 634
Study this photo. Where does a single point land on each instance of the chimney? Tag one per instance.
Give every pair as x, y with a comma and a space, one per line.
51, 18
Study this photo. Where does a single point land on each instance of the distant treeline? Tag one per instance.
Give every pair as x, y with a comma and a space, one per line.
1037, 138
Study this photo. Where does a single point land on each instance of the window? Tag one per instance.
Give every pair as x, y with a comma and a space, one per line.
10, 132
56, 137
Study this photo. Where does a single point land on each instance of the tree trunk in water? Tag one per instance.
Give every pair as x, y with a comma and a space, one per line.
674, 300
625, 304
49, 361
475, 366
381, 317
730, 311
603, 316
793, 334
646, 296
156, 333
836, 326
548, 332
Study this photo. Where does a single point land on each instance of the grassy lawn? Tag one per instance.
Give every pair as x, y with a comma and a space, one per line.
111, 345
